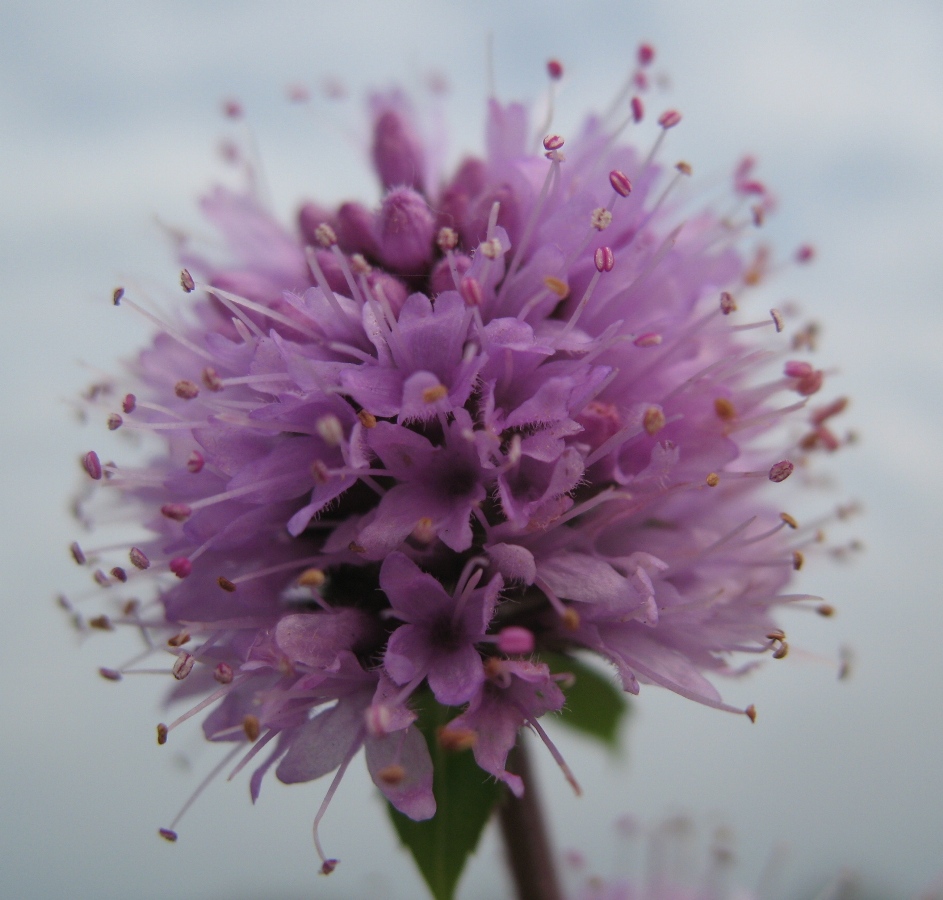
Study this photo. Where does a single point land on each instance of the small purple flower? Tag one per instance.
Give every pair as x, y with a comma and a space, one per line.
441, 631
511, 411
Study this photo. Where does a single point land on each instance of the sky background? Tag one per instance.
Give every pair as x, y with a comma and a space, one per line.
110, 120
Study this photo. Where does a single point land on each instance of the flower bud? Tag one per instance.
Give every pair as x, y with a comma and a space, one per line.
397, 152
406, 231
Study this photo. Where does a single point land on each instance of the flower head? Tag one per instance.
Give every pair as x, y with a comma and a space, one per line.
401, 449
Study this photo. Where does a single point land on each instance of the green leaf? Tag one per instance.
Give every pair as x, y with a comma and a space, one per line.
595, 704
465, 797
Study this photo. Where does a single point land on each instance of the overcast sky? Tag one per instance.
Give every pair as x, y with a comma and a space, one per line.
109, 121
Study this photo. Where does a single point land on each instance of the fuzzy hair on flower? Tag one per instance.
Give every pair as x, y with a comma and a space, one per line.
397, 452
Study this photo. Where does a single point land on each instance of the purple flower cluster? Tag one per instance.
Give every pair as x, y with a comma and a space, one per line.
403, 450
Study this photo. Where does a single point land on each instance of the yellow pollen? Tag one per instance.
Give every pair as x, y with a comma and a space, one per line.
312, 578
392, 774
725, 409
368, 420
434, 394
713, 479
454, 739
789, 520
557, 286
654, 420
571, 619
250, 725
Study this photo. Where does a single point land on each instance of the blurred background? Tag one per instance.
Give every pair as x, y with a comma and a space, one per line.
110, 116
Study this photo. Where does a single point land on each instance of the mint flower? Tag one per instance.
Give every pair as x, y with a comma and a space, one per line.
399, 453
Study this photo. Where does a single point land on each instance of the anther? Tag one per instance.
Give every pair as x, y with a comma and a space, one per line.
797, 559
114, 422
161, 734
810, 384
223, 673
354, 547
684, 168
778, 320
669, 119
789, 520
570, 619
186, 390
179, 512
325, 235
620, 183
646, 53
110, 674
232, 109
434, 394
101, 578
116, 296
182, 666
776, 635
102, 623
359, 264
328, 866
600, 219
557, 287
251, 727
805, 253
119, 574
604, 259
638, 109
555, 69
725, 409
424, 531
712, 480
515, 641
750, 713
447, 239
823, 413
727, 303
553, 142
130, 607
826, 610
195, 462
212, 380
92, 465
187, 282
368, 420
180, 566
455, 739
392, 775
128, 404
167, 834
330, 430
179, 639
780, 471
781, 651
77, 553
320, 472
649, 339
312, 578
491, 249
654, 420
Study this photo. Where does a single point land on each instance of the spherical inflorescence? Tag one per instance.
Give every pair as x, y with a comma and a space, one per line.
407, 449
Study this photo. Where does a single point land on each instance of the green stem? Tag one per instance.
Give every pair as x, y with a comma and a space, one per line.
526, 841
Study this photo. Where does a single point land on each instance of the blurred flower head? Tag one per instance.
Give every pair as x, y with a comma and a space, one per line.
397, 452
